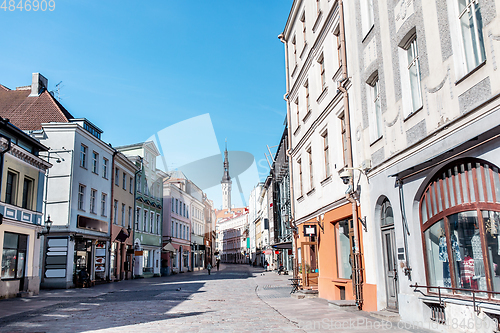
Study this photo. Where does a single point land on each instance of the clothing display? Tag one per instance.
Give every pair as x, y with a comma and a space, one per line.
477, 253
467, 273
443, 249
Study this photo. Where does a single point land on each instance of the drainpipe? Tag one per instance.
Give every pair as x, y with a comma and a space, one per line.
111, 213
357, 260
132, 230
290, 164
406, 230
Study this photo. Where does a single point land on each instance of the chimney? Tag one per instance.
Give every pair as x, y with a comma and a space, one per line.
38, 84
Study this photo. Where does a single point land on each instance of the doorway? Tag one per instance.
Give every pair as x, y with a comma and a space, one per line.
389, 253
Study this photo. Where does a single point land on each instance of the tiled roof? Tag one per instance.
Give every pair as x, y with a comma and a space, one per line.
225, 213
28, 113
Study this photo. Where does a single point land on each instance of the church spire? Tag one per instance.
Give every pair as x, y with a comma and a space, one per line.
226, 183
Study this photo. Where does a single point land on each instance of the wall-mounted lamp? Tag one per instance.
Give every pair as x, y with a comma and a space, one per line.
48, 224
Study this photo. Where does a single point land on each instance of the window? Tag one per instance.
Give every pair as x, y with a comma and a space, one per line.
13, 255
151, 222
326, 154
366, 16
27, 193
117, 177
176, 229
375, 112
187, 212
129, 216
145, 221
124, 181
95, 160
173, 204
115, 212
471, 24
81, 197
158, 229
345, 143
294, 48
83, 156
139, 187
103, 204
172, 234
343, 250
123, 214
184, 210
131, 185
321, 62
187, 232
104, 168
303, 20
10, 188
93, 194
414, 72
177, 206
137, 218
301, 188
297, 109
311, 174
308, 101
460, 216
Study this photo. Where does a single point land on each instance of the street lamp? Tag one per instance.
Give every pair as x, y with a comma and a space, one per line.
48, 224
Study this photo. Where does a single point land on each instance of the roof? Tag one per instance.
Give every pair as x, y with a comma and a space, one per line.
28, 113
177, 174
226, 213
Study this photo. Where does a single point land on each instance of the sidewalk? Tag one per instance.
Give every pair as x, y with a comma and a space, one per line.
315, 315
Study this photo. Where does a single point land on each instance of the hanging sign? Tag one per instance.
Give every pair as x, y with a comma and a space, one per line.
309, 230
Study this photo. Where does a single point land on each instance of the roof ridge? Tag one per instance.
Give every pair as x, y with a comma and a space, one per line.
4, 87
59, 106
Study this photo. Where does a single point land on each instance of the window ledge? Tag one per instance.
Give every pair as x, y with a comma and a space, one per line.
326, 181
294, 69
322, 95
470, 73
340, 280
377, 140
318, 20
297, 130
311, 191
301, 198
367, 33
306, 116
303, 51
413, 113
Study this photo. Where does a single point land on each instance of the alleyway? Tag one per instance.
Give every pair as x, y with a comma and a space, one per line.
238, 298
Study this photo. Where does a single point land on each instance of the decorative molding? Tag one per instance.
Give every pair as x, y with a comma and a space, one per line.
390, 124
493, 59
318, 20
440, 85
28, 158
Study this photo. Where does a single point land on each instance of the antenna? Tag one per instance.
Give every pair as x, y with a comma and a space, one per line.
57, 91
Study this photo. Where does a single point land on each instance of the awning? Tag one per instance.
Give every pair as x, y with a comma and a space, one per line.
169, 247
284, 245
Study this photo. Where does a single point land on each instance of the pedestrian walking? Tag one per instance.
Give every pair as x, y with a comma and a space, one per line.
218, 264
209, 267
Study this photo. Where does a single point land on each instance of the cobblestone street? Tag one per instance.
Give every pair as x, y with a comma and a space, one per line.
238, 298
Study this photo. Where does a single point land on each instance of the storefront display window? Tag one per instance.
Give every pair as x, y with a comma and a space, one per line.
455, 227
343, 250
13, 255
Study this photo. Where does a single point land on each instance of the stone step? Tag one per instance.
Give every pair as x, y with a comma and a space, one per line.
343, 304
301, 294
386, 315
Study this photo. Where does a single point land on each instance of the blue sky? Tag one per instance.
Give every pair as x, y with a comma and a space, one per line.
134, 68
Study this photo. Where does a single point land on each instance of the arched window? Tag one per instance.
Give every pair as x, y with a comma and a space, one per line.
460, 216
386, 215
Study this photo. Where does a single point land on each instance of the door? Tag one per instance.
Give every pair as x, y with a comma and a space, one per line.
391, 273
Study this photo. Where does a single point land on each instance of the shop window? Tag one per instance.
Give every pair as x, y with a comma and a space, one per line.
343, 250
459, 211
13, 255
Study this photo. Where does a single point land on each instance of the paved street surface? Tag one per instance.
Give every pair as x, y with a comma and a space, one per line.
238, 298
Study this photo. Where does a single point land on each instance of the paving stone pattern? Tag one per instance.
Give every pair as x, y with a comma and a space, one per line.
238, 298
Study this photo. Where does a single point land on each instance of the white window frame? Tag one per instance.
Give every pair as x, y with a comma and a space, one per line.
105, 168
104, 199
375, 110
81, 197
367, 18
83, 156
93, 194
95, 162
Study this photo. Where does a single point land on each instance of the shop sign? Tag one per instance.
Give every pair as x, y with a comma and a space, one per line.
309, 230
138, 253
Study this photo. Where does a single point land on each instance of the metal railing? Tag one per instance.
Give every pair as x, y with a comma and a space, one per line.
473, 291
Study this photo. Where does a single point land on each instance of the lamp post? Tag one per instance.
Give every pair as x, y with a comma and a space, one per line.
48, 224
